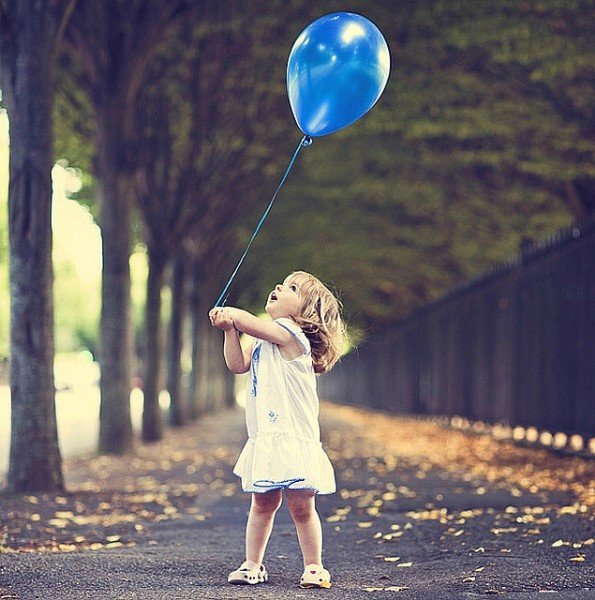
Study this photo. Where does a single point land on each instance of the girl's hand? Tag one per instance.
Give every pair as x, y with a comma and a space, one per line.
221, 319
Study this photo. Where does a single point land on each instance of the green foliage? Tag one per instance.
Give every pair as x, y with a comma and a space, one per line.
485, 123
74, 129
209, 129
76, 309
487, 118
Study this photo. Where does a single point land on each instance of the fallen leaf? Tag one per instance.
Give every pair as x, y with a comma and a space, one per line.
534, 531
578, 558
501, 530
60, 523
390, 588
390, 536
335, 518
64, 515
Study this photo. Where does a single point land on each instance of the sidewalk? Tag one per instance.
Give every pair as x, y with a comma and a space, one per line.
421, 513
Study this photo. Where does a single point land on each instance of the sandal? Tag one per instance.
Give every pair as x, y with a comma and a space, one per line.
248, 576
315, 576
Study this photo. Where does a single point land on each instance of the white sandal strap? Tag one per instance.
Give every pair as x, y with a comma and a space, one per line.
315, 576
248, 575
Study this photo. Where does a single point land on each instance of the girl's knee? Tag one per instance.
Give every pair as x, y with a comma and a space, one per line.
268, 502
301, 505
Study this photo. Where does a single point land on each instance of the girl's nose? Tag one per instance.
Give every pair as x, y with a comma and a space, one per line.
278, 287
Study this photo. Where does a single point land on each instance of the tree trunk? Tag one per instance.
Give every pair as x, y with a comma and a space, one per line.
230, 389
191, 401
115, 433
178, 301
199, 326
29, 33
215, 374
152, 421
204, 364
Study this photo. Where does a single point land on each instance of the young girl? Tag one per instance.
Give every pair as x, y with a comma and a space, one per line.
283, 452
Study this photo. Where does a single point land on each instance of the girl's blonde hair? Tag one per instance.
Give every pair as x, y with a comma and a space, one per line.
320, 319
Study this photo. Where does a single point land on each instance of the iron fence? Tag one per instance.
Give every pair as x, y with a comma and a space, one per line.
514, 346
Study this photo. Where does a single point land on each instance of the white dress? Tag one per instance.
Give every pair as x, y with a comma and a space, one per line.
283, 450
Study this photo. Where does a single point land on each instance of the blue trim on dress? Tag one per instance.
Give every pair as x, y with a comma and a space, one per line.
285, 484
253, 366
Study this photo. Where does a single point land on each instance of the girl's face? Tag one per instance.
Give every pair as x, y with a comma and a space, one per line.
285, 300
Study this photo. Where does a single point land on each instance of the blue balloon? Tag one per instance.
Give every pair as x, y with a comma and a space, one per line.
337, 69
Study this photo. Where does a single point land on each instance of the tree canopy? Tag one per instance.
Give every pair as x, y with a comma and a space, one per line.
478, 142
483, 138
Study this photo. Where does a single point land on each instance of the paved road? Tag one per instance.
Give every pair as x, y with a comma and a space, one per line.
405, 523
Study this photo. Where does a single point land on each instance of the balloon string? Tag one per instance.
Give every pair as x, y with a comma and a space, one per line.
304, 142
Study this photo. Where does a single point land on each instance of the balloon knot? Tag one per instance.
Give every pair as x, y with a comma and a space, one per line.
306, 141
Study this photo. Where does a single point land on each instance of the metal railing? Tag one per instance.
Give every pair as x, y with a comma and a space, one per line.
515, 346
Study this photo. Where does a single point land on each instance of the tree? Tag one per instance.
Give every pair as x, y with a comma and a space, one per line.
31, 33
113, 43
198, 122
4, 260
482, 137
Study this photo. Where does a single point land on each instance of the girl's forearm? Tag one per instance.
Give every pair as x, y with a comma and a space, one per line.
263, 329
232, 351
241, 318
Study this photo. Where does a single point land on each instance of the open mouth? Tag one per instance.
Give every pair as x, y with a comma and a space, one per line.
272, 297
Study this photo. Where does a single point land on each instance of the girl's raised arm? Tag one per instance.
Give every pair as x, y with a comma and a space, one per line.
262, 329
237, 358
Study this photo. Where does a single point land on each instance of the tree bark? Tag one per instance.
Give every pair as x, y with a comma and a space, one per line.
199, 320
152, 428
114, 42
178, 302
115, 431
215, 373
192, 399
30, 32
230, 389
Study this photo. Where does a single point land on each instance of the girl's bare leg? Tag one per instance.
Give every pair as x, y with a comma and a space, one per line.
302, 507
260, 524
